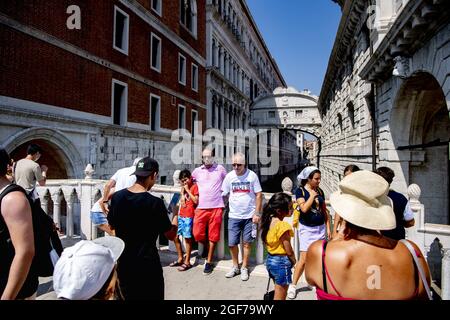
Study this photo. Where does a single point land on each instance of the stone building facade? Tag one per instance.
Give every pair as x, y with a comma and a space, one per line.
101, 82
386, 96
240, 67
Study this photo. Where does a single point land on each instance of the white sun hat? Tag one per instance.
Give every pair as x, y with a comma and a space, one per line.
83, 269
362, 200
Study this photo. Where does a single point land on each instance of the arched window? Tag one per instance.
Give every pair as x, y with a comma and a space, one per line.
340, 123
188, 15
213, 53
351, 114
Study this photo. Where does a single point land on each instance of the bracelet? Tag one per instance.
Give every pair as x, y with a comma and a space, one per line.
258, 214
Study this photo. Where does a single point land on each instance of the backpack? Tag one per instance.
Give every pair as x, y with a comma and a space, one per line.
46, 238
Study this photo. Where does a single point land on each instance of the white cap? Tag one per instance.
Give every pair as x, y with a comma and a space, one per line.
84, 268
306, 172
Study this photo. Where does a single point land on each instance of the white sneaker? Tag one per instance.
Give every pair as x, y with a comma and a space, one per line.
233, 272
292, 291
244, 274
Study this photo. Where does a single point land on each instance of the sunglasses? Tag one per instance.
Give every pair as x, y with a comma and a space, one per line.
237, 165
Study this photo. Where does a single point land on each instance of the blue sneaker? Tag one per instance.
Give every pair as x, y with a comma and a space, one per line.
208, 268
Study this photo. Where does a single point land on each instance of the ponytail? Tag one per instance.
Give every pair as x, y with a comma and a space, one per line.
279, 201
265, 221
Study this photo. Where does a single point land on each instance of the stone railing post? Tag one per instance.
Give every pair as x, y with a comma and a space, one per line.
259, 248
44, 202
57, 209
419, 213
69, 221
445, 276
221, 244
86, 201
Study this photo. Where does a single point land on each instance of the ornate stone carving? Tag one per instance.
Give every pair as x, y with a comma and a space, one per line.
89, 172
287, 185
176, 178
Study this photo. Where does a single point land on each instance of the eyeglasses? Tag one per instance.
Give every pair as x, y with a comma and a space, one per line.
237, 165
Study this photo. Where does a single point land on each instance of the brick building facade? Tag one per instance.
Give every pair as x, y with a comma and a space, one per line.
100, 82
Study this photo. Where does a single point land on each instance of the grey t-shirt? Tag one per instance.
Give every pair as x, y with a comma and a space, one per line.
27, 172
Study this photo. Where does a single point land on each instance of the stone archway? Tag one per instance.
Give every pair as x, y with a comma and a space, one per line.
60, 155
423, 138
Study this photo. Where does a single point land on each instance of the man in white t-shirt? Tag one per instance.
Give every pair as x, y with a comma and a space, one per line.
122, 179
245, 203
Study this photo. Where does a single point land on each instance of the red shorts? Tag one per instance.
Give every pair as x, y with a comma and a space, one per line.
211, 218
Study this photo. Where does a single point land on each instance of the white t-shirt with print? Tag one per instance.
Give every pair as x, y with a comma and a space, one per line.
242, 190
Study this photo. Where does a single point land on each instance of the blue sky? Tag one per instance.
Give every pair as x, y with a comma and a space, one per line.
300, 36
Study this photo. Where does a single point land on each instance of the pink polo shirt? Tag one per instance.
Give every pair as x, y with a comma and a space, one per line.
209, 182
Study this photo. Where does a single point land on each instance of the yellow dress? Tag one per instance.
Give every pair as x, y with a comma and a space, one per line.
274, 244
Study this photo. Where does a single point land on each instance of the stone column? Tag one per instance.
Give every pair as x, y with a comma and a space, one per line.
221, 244
259, 248
445, 277
221, 60
86, 201
69, 223
216, 56
57, 209
419, 217
44, 204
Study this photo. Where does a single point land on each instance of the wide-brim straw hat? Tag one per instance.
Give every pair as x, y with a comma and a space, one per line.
362, 200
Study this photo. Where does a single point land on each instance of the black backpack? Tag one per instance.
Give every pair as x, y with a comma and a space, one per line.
46, 237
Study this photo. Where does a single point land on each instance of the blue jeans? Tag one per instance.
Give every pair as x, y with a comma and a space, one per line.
98, 218
236, 227
279, 268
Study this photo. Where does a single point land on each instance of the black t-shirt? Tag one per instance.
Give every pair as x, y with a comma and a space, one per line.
400, 203
138, 219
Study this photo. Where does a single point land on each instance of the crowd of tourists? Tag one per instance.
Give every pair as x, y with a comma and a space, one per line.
366, 237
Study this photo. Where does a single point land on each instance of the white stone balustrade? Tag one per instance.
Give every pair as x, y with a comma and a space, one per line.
80, 195
423, 234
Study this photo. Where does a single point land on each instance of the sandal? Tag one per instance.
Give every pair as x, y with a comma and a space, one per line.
175, 264
184, 267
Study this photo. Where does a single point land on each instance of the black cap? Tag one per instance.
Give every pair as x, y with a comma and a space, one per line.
146, 167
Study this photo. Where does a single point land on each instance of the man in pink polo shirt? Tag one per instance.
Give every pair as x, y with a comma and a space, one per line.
209, 179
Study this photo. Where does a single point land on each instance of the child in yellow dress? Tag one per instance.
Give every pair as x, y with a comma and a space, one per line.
276, 235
